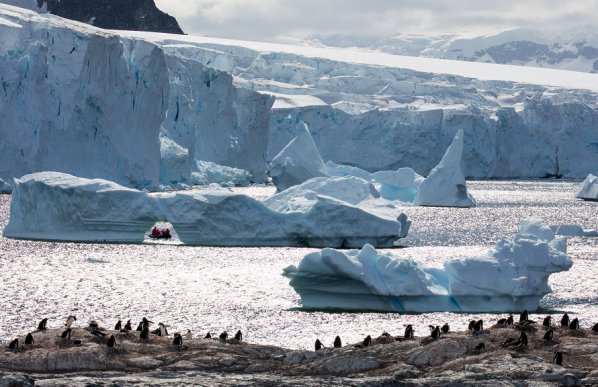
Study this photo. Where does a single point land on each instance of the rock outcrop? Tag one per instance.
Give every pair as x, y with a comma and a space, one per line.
133, 15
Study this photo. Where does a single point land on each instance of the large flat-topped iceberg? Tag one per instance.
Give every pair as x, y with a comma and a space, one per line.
57, 206
589, 188
60, 207
512, 276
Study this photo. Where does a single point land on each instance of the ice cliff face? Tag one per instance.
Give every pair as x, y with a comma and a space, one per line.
79, 100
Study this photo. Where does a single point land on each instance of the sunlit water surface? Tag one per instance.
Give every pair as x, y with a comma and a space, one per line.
215, 289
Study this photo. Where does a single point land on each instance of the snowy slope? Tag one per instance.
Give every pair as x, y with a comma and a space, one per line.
567, 49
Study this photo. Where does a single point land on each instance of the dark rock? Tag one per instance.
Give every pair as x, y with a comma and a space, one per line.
133, 15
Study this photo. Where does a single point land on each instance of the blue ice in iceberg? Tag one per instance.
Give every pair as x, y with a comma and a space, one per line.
510, 277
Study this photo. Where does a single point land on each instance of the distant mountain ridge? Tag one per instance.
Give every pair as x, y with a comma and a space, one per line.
573, 49
134, 15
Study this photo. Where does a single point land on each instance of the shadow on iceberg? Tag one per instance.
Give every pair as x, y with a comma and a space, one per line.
511, 277
343, 212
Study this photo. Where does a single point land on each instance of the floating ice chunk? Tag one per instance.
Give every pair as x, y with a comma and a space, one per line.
510, 277
5, 188
445, 185
57, 206
573, 230
402, 184
589, 188
297, 162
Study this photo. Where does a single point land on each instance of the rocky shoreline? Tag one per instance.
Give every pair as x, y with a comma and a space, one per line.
451, 360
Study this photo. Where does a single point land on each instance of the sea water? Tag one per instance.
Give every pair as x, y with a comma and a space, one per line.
209, 289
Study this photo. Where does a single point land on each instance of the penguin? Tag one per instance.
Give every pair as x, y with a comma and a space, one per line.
144, 335
524, 316
29, 339
145, 323
435, 332
478, 327
565, 320
318, 345
188, 335
574, 325
118, 326
595, 328
42, 326
547, 321
208, 336
548, 335
558, 358
471, 325
14, 344
93, 324
128, 326
367, 341
163, 330
445, 328
97, 333
223, 336
480, 347
69, 321
178, 340
239, 336
509, 342
76, 343
408, 332
66, 334
139, 327
510, 320
111, 343
522, 341
337, 342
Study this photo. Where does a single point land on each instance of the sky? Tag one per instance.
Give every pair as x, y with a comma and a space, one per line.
287, 20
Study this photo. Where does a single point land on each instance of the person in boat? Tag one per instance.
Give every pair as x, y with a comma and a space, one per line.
166, 233
155, 232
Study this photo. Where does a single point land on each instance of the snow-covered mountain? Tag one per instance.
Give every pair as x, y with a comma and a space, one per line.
567, 49
139, 108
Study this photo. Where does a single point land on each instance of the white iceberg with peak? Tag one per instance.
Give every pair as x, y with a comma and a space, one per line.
57, 206
511, 277
589, 188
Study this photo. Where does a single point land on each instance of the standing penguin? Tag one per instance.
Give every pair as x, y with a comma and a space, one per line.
111, 343
223, 336
574, 325
337, 342
66, 334
178, 340
42, 326
547, 321
408, 332
478, 326
565, 320
118, 326
445, 328
524, 316
208, 336
318, 345
548, 335
558, 358
163, 330
239, 336
367, 341
434, 332
128, 326
144, 335
188, 335
14, 344
69, 321
29, 339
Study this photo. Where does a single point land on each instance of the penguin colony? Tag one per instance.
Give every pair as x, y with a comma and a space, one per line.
475, 327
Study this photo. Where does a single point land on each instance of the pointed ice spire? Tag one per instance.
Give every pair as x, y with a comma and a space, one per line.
445, 186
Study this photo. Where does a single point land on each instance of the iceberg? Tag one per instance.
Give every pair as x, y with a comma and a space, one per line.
61, 207
402, 184
297, 162
589, 188
445, 186
206, 173
5, 188
573, 230
511, 277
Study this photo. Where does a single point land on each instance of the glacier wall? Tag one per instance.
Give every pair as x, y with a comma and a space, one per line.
81, 100
62, 86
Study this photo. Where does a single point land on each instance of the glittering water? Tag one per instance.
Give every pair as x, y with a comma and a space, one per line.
214, 289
